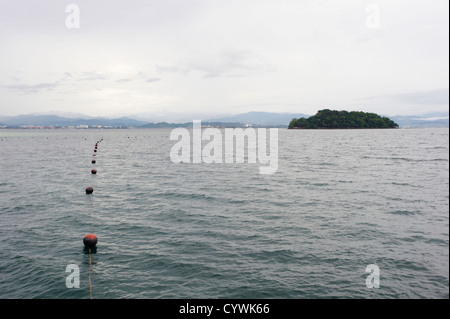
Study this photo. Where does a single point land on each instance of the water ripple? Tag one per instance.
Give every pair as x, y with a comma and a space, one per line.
341, 200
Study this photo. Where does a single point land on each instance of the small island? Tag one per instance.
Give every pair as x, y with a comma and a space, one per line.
331, 119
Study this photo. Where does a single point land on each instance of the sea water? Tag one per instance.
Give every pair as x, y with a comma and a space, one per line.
340, 200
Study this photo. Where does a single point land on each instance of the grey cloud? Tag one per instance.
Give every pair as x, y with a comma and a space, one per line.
434, 97
92, 76
152, 80
138, 77
179, 68
35, 88
431, 97
123, 80
226, 63
26, 88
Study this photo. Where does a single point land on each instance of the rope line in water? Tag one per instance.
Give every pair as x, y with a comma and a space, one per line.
92, 238
90, 213
90, 284
92, 231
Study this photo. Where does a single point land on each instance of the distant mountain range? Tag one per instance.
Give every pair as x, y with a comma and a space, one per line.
426, 120
58, 121
204, 124
259, 119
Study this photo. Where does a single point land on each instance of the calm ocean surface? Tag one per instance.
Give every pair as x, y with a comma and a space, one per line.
340, 201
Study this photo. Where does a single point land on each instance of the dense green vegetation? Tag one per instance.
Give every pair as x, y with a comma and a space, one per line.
330, 119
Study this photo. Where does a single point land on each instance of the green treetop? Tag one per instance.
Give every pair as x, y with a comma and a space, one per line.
331, 119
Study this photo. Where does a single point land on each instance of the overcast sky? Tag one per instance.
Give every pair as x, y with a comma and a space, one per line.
163, 58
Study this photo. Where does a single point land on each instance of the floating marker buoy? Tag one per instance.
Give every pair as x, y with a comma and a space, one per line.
95, 151
89, 190
90, 240
94, 171
93, 154
93, 162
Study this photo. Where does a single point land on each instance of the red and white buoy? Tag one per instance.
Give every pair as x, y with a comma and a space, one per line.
90, 240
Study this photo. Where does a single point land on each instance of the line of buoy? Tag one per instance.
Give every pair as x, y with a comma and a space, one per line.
90, 240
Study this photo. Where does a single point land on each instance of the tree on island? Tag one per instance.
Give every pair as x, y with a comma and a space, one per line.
331, 119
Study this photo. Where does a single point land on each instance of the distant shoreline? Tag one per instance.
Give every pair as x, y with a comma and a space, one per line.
161, 128
138, 127
250, 119
346, 128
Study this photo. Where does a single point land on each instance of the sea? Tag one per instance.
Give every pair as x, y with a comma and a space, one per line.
349, 214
